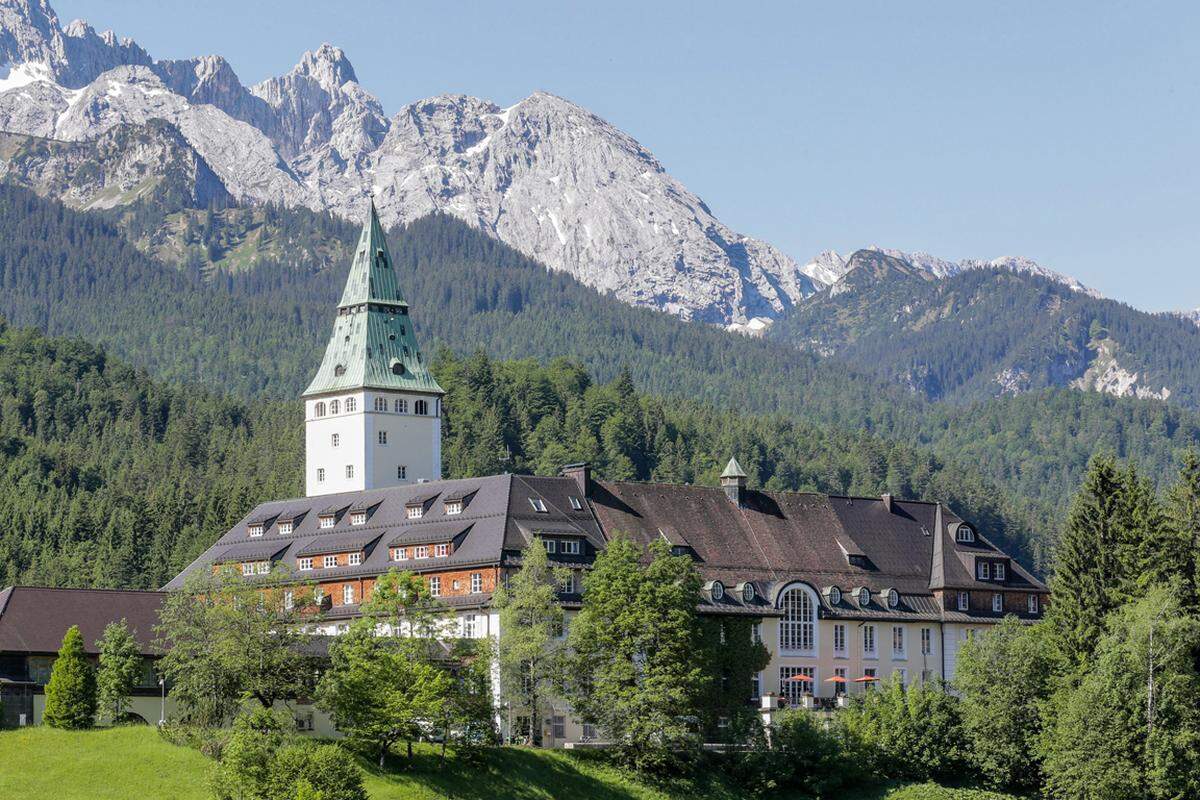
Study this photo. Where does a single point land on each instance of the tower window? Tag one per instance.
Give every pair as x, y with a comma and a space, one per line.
320, 474
401, 406
383, 437
421, 407
339, 370
401, 473
334, 407
351, 404
349, 470
381, 404
319, 409
335, 439
397, 367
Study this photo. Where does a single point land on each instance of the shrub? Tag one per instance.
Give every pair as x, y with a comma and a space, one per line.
805, 755
247, 761
315, 772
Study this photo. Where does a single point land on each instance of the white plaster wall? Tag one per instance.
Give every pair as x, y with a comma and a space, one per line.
320, 452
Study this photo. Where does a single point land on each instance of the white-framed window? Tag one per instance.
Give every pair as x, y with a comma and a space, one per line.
839, 687
289, 600
402, 473
898, 644
468, 626
263, 567
539, 505
285, 529
997, 602
983, 571
248, 568
551, 545
354, 559
756, 632
327, 521
964, 534
435, 586
864, 597
348, 595
421, 408
349, 470
797, 629
416, 512
399, 554
575, 504
320, 474
401, 406
476, 582
869, 641
926, 641
329, 562
351, 404
422, 552
756, 686
1000, 570
304, 564
794, 689
334, 407
568, 587
319, 409
383, 438
318, 595
964, 601
453, 507
381, 404
441, 550
358, 517
255, 529
558, 726
1033, 604
839, 640
570, 547
335, 440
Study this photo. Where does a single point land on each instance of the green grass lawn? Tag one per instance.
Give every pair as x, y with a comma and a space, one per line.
134, 762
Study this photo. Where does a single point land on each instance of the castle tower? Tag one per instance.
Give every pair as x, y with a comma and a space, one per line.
372, 414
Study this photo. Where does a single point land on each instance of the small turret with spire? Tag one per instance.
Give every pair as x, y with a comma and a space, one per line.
733, 481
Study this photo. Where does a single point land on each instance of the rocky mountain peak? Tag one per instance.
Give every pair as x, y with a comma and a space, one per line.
327, 65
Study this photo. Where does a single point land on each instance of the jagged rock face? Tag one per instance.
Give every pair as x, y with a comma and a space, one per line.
545, 176
124, 164
1106, 375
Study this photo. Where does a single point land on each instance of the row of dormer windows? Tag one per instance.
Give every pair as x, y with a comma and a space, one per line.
440, 550
566, 547
329, 561
1033, 604
990, 571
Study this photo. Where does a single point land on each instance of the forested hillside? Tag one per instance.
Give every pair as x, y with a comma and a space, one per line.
110, 478
989, 332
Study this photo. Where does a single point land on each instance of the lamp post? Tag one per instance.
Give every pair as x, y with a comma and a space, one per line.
162, 709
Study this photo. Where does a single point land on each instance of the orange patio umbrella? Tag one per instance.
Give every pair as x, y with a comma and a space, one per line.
800, 677
835, 679
866, 679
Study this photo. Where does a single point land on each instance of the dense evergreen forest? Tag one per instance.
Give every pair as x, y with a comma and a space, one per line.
950, 339
111, 478
239, 301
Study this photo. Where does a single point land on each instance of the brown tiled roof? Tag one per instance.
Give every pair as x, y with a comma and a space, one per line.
35, 619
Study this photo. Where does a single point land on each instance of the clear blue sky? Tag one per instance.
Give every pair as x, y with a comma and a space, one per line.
1067, 132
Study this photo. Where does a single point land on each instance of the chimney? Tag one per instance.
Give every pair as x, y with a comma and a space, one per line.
733, 481
887, 501
582, 475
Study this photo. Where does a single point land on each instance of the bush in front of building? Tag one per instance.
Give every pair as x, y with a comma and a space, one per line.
71, 692
317, 772
907, 732
802, 755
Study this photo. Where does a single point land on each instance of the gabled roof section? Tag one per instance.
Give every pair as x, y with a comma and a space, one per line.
373, 344
34, 619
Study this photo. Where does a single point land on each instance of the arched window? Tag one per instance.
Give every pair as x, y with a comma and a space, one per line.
381, 404
334, 408
319, 409
420, 407
798, 628
351, 404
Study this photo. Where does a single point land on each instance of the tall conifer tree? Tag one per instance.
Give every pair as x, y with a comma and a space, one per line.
71, 692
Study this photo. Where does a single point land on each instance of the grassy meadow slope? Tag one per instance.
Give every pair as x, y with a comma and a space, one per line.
125, 763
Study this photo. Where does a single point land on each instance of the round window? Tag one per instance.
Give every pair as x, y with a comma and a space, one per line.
835, 595
747, 592
893, 598
397, 367
864, 596
717, 590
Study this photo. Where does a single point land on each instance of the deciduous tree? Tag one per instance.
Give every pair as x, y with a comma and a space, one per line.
120, 667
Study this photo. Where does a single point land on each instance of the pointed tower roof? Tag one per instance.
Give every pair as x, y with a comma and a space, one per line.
733, 470
373, 345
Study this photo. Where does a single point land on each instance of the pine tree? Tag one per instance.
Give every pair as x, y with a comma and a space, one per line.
1178, 553
71, 692
120, 668
531, 649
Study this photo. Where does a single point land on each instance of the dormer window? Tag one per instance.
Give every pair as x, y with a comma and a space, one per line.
416, 512
358, 517
454, 507
329, 562
748, 593
551, 545
999, 572
422, 552
983, 571
864, 596
326, 521
441, 550
539, 505
399, 554
717, 590
285, 528
304, 564
255, 530
570, 547
893, 598
835, 595
248, 568
575, 504
857, 560
354, 559
965, 534
263, 567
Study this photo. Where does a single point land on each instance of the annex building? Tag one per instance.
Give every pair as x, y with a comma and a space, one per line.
842, 590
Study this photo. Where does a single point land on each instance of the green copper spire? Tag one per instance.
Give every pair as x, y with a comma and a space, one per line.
373, 345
